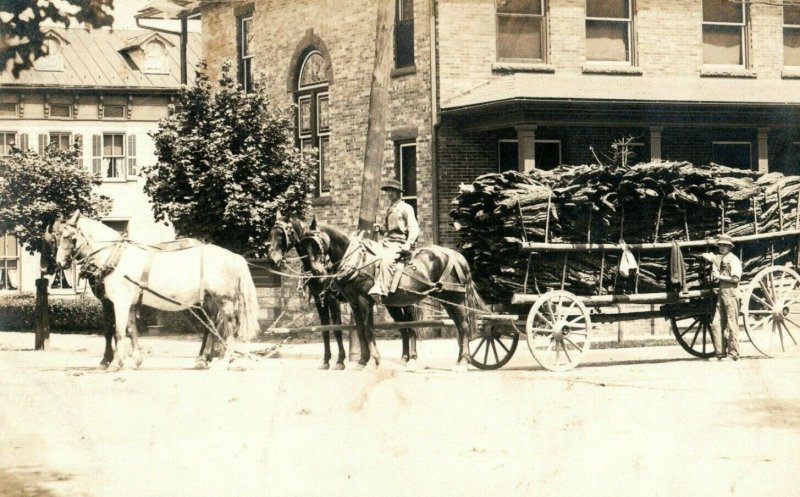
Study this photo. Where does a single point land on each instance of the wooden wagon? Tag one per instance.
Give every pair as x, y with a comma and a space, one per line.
560, 324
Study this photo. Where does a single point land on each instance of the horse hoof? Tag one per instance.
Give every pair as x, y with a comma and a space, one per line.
338, 366
113, 367
459, 368
411, 365
201, 364
103, 365
358, 366
324, 366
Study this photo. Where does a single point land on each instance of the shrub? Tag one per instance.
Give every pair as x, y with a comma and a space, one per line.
66, 314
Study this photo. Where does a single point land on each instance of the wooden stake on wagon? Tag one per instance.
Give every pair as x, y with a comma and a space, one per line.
376, 129
780, 208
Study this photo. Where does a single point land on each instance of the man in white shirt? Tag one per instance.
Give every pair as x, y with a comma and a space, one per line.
727, 270
400, 230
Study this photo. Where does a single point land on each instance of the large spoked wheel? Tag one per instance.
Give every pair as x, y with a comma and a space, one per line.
694, 332
558, 329
494, 349
771, 310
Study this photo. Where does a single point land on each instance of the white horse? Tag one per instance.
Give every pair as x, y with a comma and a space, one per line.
195, 275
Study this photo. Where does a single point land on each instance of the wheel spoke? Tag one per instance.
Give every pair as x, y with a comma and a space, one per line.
580, 349
761, 322
697, 333
494, 350
569, 359
539, 313
706, 327
687, 330
503, 345
761, 301
759, 312
766, 293
788, 332
542, 330
478, 348
486, 355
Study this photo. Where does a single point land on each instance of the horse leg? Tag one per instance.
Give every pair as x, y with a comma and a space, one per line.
460, 318
136, 354
411, 334
361, 332
336, 318
366, 303
324, 318
202, 361
108, 331
121, 318
398, 317
227, 320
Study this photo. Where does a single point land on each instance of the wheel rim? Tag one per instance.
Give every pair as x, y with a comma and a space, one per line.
494, 349
771, 311
558, 331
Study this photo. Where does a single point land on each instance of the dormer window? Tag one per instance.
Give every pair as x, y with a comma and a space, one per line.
54, 60
155, 57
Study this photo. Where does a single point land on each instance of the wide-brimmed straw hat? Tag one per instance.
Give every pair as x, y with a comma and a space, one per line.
725, 240
392, 184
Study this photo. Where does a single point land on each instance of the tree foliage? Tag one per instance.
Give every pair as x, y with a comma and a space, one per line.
22, 33
227, 164
35, 188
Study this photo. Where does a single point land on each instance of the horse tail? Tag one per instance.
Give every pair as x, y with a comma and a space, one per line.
474, 302
247, 306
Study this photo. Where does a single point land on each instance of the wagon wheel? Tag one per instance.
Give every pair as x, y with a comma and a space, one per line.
494, 349
557, 329
696, 338
771, 309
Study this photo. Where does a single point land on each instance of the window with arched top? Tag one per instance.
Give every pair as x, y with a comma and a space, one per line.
54, 60
155, 57
313, 116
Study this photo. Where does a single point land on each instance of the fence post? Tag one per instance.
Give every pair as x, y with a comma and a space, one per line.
41, 315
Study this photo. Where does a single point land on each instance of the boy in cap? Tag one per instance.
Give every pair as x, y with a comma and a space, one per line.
400, 230
727, 271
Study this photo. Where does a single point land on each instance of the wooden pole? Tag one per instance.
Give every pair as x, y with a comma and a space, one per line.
376, 129
42, 316
376, 121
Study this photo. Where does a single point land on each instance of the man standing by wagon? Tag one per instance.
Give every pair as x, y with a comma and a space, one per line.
400, 230
727, 271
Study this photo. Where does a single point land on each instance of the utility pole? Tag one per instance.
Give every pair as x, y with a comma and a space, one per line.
376, 128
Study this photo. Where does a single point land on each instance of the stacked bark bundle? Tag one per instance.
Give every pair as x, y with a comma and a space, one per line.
652, 202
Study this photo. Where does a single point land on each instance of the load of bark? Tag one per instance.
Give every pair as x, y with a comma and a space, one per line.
651, 202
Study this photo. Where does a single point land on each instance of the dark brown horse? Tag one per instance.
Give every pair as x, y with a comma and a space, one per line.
432, 270
285, 235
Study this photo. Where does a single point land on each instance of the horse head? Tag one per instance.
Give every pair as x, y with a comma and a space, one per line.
69, 242
316, 245
284, 235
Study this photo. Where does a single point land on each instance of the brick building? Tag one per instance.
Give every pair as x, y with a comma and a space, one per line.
105, 91
486, 85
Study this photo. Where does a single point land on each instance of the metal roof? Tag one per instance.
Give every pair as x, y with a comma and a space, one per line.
96, 59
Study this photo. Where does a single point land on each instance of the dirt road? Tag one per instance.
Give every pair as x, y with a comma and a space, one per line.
664, 426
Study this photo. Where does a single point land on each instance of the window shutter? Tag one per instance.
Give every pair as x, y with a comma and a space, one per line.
79, 144
23, 141
42, 144
132, 156
96, 157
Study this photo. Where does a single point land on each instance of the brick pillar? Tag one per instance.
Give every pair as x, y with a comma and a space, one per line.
526, 135
763, 151
655, 142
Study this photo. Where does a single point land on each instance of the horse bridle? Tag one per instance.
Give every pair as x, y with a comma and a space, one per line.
288, 234
323, 242
84, 242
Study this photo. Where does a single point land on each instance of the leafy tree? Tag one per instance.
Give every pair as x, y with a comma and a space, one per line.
35, 188
227, 164
21, 31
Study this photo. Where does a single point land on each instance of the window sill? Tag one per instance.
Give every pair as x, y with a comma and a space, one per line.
790, 73
600, 68
726, 72
539, 67
404, 71
322, 201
